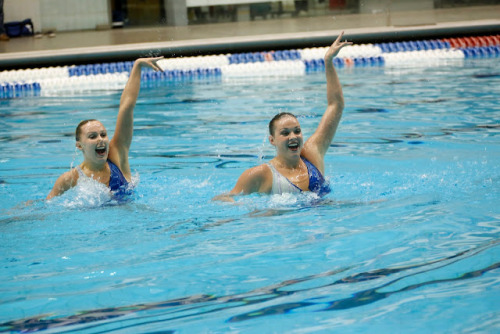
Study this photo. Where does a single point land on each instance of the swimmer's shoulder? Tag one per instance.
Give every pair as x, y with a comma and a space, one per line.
255, 179
64, 182
70, 177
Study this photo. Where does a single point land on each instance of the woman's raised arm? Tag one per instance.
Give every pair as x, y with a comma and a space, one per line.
317, 145
122, 137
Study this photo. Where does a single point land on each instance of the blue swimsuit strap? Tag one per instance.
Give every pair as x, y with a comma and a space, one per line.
316, 179
116, 179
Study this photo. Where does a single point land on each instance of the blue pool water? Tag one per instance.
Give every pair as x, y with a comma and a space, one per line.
408, 240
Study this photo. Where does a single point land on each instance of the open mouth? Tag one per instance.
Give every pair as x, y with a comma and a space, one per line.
293, 146
101, 150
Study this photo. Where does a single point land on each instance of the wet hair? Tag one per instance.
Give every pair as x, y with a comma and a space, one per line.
276, 118
79, 127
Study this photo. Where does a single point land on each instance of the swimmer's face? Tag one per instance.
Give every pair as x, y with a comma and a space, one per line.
94, 141
287, 136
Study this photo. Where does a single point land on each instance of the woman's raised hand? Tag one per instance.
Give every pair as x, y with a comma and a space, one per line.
151, 62
335, 48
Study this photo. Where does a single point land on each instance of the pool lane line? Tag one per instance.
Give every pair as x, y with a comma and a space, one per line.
437, 52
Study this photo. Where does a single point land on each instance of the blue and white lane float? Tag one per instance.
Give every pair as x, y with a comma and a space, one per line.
296, 62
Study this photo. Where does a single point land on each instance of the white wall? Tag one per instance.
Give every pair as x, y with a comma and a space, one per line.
401, 12
74, 14
60, 15
380, 6
19, 10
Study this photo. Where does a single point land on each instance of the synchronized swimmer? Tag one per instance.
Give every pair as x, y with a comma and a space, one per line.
106, 161
297, 166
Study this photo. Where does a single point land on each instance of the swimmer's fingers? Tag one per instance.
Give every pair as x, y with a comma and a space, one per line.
338, 42
152, 62
336, 47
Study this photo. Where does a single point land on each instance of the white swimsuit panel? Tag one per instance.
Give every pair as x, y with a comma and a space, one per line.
281, 184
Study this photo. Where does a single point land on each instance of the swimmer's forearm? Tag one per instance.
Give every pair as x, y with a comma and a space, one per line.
122, 138
132, 88
63, 183
51, 195
224, 198
58, 190
334, 94
124, 123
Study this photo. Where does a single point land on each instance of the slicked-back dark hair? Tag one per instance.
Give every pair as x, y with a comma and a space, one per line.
276, 118
79, 127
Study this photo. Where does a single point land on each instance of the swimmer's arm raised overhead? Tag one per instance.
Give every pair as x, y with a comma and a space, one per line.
64, 182
122, 138
254, 180
317, 145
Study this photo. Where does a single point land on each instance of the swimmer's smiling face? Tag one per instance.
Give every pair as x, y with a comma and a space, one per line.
287, 136
93, 141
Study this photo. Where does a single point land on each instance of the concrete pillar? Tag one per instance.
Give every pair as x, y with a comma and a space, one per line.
176, 12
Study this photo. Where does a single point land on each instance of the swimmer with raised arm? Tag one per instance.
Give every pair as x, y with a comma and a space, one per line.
106, 161
297, 166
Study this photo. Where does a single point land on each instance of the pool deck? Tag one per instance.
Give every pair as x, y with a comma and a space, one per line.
128, 43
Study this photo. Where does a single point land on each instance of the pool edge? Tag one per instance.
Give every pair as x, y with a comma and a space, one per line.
240, 44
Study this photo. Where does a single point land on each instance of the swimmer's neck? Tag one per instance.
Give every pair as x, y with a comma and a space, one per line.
291, 163
94, 167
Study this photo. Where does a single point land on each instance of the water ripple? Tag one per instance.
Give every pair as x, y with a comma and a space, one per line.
197, 305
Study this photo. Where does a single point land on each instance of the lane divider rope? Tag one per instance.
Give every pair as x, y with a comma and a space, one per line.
113, 76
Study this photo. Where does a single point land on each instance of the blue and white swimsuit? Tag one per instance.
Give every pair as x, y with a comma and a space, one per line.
118, 184
317, 182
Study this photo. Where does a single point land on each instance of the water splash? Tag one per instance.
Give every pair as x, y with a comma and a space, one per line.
87, 193
262, 149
